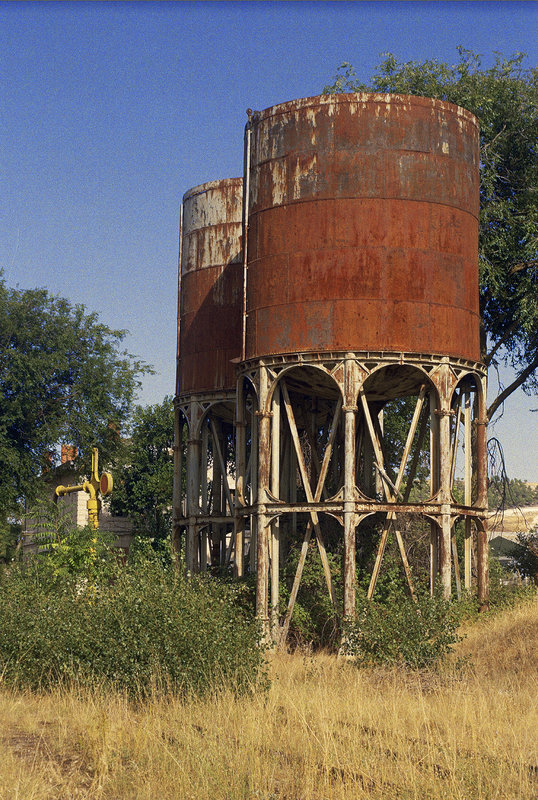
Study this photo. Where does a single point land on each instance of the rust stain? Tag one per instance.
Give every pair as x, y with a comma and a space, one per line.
211, 286
363, 227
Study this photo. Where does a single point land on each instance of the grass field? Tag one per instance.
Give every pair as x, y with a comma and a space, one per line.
323, 730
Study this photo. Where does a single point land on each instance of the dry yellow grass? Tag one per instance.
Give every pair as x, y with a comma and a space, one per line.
324, 730
513, 520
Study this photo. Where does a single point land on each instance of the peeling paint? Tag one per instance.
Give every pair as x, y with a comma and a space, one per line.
362, 186
211, 286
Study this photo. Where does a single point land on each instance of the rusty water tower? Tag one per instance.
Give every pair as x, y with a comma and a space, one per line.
357, 305
209, 339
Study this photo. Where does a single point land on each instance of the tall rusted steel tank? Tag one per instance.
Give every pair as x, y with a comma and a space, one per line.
363, 227
211, 289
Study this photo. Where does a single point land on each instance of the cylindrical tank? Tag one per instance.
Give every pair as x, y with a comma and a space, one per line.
363, 227
211, 286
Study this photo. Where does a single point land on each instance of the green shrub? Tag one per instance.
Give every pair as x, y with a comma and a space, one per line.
148, 629
314, 622
503, 591
399, 631
68, 551
525, 557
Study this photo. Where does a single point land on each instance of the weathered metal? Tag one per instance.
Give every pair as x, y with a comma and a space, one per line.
211, 286
363, 227
356, 386
209, 339
307, 488
391, 516
357, 286
275, 524
206, 513
264, 472
467, 495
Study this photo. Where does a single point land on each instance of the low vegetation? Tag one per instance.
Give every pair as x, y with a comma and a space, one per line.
402, 632
322, 730
143, 629
127, 682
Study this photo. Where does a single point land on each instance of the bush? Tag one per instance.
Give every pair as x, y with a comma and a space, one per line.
148, 629
399, 631
68, 551
314, 622
504, 591
525, 557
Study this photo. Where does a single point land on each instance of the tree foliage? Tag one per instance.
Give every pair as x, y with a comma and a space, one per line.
143, 485
510, 493
525, 557
63, 379
504, 98
68, 551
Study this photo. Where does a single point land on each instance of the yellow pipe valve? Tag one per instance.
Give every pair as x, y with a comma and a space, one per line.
106, 484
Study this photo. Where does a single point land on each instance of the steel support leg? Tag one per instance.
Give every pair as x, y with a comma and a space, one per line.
264, 471
275, 524
349, 512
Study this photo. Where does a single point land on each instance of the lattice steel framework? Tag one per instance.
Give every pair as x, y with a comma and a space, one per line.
317, 434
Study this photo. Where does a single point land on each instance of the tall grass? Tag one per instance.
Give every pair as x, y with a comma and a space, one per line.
324, 730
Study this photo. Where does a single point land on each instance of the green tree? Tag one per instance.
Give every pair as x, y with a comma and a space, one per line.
143, 485
525, 556
504, 98
510, 493
63, 379
66, 550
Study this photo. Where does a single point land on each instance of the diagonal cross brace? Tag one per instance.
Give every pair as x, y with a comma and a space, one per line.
455, 443
222, 466
387, 485
314, 521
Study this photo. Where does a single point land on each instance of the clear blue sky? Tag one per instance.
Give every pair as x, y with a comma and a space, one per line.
109, 112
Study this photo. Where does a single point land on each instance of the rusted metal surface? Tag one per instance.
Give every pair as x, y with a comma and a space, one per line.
275, 524
349, 512
206, 514
308, 489
359, 286
363, 227
211, 286
482, 565
262, 538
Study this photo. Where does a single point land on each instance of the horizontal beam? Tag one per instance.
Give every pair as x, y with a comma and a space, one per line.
433, 509
206, 520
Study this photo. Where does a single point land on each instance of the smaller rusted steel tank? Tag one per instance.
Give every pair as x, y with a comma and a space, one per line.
363, 227
211, 286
